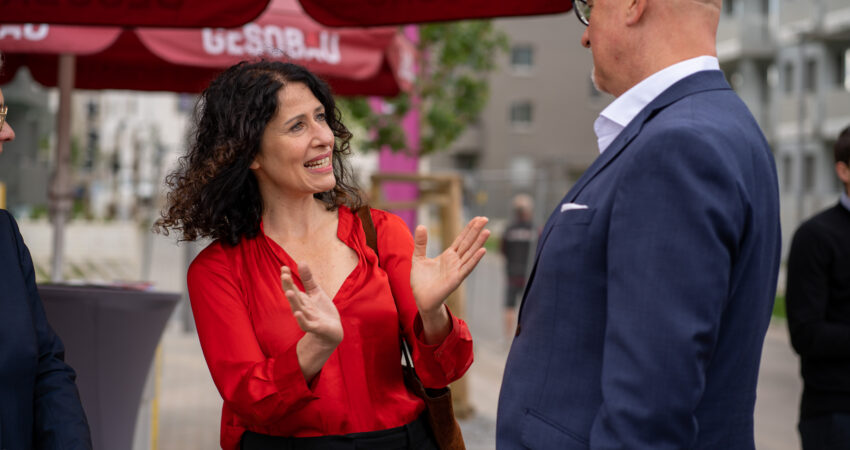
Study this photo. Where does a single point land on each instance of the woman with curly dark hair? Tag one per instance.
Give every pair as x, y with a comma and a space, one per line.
298, 318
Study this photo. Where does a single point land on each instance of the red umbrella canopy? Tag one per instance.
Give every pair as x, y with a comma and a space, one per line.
354, 61
134, 13
348, 13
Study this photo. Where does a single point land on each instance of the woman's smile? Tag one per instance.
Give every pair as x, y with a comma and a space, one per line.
321, 164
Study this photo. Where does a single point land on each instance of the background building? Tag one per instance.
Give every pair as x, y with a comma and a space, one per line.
787, 59
24, 169
536, 132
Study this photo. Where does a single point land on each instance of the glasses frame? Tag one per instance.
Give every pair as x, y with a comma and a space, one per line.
3, 111
581, 17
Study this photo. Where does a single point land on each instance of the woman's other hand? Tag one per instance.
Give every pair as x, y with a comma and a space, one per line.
433, 279
313, 309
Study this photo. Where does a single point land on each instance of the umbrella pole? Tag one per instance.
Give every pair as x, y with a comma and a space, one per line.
59, 194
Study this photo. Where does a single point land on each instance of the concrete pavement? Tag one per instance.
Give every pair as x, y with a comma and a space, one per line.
189, 405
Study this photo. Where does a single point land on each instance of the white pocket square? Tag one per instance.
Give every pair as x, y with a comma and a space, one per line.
569, 206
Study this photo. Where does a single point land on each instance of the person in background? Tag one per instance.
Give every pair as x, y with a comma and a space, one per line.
652, 289
299, 320
817, 299
40, 407
516, 246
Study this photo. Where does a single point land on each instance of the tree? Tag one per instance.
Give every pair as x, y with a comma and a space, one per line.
452, 87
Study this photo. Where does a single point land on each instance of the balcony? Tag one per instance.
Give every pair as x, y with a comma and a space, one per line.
836, 110
836, 16
745, 35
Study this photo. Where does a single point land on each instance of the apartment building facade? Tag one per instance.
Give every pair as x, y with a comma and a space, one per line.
789, 61
535, 135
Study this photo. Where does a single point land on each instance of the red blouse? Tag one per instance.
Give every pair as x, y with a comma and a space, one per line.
248, 336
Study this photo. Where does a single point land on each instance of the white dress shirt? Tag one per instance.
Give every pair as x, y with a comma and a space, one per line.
613, 119
845, 200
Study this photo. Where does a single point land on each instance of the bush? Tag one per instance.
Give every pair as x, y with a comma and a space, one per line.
779, 306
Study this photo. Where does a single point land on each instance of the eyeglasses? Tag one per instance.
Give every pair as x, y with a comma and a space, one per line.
3, 110
582, 10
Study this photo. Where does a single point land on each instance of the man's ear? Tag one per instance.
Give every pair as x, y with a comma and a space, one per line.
635, 11
843, 171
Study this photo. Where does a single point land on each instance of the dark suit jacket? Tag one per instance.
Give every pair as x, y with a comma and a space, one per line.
39, 404
643, 322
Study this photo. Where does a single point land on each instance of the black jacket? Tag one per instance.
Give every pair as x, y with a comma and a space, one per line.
818, 306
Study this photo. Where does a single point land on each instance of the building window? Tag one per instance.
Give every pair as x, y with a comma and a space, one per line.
91, 110
788, 78
842, 63
764, 88
729, 7
811, 78
772, 76
809, 173
466, 161
522, 114
788, 172
522, 58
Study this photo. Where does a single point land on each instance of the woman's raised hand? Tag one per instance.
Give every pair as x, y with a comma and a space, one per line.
433, 279
313, 309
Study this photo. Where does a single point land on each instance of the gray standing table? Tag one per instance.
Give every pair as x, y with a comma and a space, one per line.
110, 336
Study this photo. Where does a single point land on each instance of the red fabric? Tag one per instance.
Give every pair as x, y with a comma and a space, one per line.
376, 61
353, 13
249, 336
144, 13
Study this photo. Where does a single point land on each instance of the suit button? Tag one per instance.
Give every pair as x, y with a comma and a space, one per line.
517, 330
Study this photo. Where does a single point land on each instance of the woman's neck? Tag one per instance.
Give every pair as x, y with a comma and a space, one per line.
286, 218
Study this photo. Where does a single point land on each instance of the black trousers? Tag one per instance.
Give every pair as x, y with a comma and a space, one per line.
826, 432
416, 435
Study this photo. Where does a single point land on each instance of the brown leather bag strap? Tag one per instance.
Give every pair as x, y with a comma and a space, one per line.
365, 215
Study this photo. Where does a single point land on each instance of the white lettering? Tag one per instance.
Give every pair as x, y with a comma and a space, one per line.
27, 32
213, 41
233, 38
253, 39
295, 47
271, 40
12, 31
274, 41
330, 47
36, 32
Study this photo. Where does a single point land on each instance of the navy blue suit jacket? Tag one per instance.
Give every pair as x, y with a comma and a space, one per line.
643, 322
39, 404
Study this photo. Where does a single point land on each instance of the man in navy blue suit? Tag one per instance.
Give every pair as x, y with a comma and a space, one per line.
643, 322
39, 404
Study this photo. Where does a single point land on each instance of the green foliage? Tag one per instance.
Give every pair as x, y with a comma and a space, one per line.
779, 306
452, 86
38, 212
76, 151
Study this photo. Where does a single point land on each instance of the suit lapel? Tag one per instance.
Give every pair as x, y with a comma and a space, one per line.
699, 82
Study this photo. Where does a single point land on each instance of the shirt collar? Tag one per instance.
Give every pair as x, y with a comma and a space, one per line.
845, 200
614, 118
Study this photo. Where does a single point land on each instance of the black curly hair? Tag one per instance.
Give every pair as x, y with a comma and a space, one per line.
214, 193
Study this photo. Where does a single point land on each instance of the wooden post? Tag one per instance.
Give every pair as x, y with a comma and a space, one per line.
445, 192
